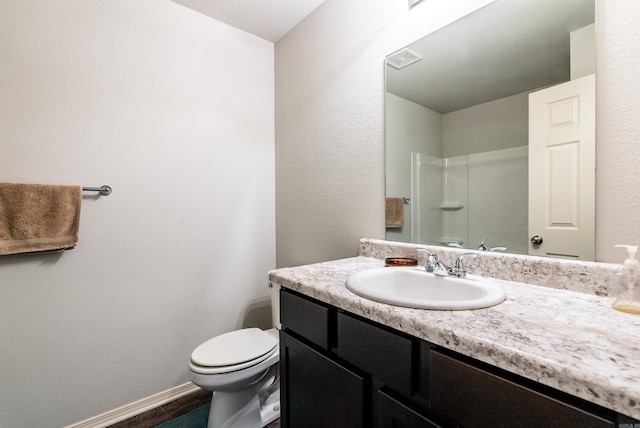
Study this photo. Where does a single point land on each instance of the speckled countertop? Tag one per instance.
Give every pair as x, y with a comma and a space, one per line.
569, 340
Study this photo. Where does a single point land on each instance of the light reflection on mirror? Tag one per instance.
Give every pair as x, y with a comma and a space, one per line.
457, 121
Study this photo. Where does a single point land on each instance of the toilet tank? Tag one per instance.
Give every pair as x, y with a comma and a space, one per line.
275, 304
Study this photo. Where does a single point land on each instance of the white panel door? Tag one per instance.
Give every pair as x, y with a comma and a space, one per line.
562, 170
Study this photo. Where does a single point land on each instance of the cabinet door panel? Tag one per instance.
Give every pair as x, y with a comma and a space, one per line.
304, 317
317, 392
475, 398
384, 354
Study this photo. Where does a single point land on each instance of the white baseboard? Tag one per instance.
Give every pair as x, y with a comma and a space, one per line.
129, 410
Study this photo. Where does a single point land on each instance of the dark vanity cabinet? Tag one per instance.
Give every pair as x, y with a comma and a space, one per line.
341, 370
312, 399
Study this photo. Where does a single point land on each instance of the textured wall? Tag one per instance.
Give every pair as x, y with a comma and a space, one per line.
330, 126
466, 130
618, 127
175, 111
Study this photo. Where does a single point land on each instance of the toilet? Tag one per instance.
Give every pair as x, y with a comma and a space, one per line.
241, 368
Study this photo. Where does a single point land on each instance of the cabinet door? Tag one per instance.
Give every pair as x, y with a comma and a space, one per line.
394, 414
385, 354
472, 397
317, 392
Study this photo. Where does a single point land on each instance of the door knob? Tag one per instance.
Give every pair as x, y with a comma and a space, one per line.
536, 240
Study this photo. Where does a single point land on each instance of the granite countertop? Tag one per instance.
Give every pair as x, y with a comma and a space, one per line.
567, 340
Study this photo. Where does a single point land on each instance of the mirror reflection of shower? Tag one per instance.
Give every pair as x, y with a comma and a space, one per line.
465, 200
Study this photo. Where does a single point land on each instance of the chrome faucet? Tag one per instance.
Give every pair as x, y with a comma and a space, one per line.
458, 269
435, 266
483, 247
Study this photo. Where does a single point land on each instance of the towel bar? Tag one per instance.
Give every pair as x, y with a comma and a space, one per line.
103, 190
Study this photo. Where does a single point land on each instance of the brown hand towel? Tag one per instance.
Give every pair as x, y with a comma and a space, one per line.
38, 217
394, 212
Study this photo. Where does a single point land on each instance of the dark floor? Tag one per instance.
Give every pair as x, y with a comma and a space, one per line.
274, 424
172, 410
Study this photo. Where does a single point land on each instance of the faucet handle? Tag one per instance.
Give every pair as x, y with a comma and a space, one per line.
458, 269
425, 250
432, 263
432, 258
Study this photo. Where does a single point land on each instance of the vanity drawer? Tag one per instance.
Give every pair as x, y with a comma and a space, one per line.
305, 318
384, 354
472, 397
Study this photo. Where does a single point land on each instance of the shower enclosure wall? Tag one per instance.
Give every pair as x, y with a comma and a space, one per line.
465, 173
466, 200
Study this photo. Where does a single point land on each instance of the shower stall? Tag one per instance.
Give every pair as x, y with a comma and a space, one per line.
466, 200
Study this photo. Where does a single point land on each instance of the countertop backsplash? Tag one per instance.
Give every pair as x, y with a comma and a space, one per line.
600, 279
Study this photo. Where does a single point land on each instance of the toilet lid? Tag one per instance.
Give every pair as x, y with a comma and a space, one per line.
233, 348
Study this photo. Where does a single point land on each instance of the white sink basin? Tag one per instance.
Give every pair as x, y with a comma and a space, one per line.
415, 288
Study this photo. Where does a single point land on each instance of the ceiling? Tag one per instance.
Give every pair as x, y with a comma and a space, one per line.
269, 19
505, 48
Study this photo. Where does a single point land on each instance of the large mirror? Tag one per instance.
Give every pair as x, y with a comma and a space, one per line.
490, 131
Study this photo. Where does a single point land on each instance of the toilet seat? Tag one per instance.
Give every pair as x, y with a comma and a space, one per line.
233, 351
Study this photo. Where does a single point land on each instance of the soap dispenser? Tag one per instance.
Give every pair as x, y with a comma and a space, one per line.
629, 300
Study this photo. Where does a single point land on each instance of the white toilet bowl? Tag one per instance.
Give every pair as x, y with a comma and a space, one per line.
241, 368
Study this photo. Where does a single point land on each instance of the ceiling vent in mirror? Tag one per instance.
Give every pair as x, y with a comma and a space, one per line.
403, 58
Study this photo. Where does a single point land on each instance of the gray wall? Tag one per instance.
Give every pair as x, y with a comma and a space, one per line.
175, 111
